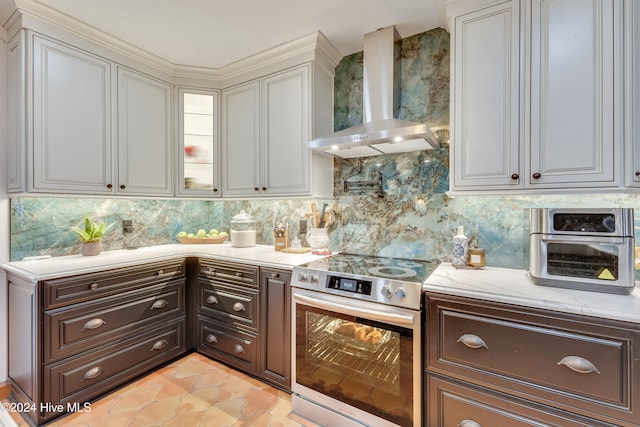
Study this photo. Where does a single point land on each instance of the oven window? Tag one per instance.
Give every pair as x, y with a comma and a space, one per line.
583, 260
363, 363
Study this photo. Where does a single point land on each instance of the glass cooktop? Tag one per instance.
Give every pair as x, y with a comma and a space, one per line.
377, 267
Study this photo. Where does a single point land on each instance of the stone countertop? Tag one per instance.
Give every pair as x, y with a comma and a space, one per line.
514, 286
49, 268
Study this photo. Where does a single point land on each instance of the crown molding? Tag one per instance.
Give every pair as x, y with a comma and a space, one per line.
38, 17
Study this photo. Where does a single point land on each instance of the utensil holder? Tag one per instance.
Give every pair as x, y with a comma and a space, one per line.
281, 242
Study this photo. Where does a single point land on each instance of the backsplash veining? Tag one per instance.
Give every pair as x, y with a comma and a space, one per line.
414, 219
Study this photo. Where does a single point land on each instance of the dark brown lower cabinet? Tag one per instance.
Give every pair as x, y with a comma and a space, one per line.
493, 364
275, 359
74, 339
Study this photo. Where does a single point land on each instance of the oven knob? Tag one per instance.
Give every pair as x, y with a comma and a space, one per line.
386, 291
313, 279
401, 293
303, 277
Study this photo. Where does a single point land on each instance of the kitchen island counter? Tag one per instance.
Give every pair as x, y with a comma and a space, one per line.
48, 268
514, 286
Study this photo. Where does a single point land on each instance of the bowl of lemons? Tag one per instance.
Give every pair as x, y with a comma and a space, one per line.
202, 237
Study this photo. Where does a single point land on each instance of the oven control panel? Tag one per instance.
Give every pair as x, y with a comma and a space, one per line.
357, 286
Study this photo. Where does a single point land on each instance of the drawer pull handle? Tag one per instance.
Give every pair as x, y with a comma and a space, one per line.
94, 286
212, 300
472, 341
160, 344
239, 307
578, 364
92, 373
212, 339
161, 303
93, 324
469, 423
237, 349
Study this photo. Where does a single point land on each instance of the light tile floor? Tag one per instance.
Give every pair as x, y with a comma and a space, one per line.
191, 392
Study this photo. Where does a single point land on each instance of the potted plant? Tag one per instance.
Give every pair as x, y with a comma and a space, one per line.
91, 236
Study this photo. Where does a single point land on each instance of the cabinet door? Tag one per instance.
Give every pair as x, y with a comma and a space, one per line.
144, 135
573, 143
276, 326
16, 121
486, 149
241, 140
286, 133
632, 49
198, 150
72, 148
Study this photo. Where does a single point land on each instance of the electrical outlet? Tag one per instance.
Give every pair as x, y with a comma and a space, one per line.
303, 226
127, 226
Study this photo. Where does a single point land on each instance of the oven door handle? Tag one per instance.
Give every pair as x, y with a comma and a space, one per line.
320, 302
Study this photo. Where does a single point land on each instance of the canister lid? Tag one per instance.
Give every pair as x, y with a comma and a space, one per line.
243, 217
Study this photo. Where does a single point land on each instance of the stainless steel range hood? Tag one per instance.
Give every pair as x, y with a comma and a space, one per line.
381, 132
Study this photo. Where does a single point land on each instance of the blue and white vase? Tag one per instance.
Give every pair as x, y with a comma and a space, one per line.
460, 249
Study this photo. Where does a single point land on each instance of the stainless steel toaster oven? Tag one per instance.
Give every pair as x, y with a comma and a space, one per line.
586, 249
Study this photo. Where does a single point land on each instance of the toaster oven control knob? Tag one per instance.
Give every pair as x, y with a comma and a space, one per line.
401, 293
303, 277
386, 291
313, 279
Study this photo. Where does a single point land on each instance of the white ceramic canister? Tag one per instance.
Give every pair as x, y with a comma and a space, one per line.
243, 230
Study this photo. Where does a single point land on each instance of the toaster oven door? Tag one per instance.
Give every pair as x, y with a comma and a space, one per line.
607, 262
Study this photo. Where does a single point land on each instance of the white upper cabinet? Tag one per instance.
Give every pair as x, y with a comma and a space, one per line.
266, 127
72, 147
242, 173
486, 93
144, 135
574, 142
537, 95
91, 126
198, 148
632, 81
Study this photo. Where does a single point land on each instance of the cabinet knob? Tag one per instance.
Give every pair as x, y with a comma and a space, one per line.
109, 186
472, 341
122, 187
637, 173
211, 270
264, 188
94, 286
92, 373
238, 349
238, 274
211, 339
215, 190
160, 272
256, 188
93, 324
515, 176
212, 300
159, 345
536, 175
468, 423
578, 364
161, 303
275, 275
239, 307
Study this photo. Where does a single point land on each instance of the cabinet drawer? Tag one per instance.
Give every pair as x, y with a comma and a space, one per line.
452, 404
571, 362
229, 273
87, 376
73, 329
239, 306
76, 289
233, 346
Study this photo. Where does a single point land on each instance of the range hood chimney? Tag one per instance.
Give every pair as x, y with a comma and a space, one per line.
381, 132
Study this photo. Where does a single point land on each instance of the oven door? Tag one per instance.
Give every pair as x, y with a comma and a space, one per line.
357, 358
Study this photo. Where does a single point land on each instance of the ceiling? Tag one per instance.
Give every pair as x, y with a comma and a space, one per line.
215, 33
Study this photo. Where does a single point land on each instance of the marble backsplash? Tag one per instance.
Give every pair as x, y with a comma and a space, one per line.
413, 219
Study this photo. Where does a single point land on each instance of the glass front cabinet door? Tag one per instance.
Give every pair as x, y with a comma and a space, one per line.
199, 165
